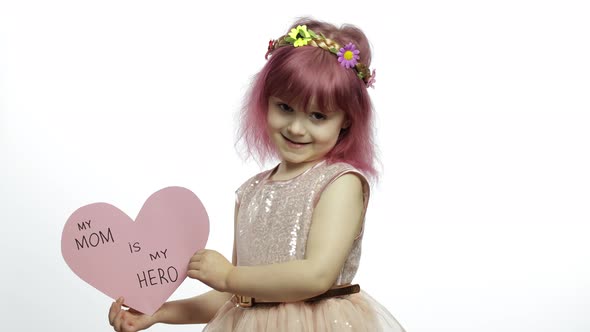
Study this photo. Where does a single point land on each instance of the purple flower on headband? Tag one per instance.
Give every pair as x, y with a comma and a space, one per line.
348, 56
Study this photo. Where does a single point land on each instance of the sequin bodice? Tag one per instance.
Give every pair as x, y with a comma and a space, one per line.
274, 217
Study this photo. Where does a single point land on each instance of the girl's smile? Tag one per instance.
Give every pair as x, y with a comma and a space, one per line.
294, 144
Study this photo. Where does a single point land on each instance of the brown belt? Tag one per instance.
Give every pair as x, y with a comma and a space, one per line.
247, 301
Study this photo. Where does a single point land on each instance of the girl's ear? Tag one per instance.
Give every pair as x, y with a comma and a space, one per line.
346, 124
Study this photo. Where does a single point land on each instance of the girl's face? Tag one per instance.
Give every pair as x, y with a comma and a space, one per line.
302, 137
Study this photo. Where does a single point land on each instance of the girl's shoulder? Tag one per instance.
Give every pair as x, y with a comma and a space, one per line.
332, 171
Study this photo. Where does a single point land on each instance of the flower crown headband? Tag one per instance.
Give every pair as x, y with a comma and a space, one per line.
348, 56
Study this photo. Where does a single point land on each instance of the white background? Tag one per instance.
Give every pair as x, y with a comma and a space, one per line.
480, 220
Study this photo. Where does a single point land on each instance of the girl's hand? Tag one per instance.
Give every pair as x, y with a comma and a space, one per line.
211, 268
128, 320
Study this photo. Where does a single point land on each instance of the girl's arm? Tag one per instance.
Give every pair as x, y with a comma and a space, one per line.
337, 221
196, 310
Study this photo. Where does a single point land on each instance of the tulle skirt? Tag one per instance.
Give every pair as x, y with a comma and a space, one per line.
356, 312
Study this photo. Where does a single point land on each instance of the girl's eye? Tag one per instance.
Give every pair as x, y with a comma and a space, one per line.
285, 108
318, 116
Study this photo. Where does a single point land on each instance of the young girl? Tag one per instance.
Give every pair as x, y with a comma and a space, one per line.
299, 225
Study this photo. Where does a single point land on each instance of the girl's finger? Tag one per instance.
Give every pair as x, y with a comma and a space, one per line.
196, 258
194, 274
115, 309
118, 321
201, 252
113, 312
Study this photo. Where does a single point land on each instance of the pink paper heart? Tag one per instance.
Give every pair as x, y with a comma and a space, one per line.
144, 261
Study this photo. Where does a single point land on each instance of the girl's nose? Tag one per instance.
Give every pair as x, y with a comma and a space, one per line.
296, 127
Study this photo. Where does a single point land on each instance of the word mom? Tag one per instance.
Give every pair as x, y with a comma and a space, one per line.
95, 238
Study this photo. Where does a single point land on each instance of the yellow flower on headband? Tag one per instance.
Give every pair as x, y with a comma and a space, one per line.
300, 36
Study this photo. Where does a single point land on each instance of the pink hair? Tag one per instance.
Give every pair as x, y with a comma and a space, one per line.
301, 75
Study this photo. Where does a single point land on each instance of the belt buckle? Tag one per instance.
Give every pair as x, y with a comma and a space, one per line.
244, 301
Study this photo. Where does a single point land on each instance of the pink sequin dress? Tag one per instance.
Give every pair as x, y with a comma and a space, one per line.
273, 222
